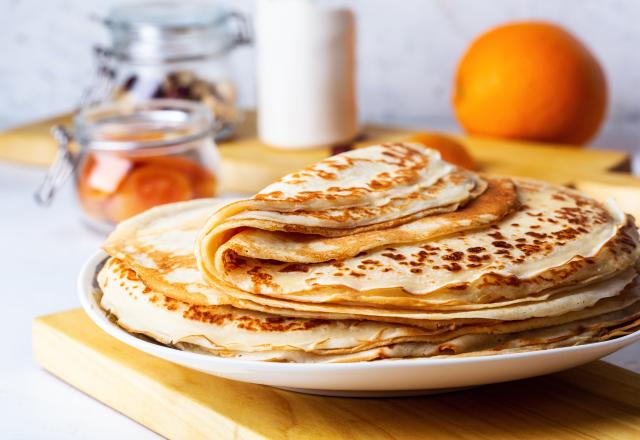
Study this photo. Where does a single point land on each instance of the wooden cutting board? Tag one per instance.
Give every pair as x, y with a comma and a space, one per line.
33, 144
249, 165
596, 401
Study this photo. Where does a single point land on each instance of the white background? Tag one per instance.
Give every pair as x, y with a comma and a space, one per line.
407, 54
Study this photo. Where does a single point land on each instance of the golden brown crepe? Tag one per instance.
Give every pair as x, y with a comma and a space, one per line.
231, 332
541, 237
382, 252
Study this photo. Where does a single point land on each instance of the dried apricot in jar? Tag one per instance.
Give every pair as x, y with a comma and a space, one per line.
97, 180
205, 186
148, 186
106, 171
202, 180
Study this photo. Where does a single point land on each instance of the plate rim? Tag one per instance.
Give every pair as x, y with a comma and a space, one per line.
99, 317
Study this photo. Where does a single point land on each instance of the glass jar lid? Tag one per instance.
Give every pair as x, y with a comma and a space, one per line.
168, 31
160, 126
158, 123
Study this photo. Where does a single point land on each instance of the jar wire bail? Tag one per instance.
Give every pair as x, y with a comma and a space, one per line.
101, 86
242, 28
61, 169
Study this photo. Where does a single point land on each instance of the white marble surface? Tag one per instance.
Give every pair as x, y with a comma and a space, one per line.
407, 52
406, 56
41, 253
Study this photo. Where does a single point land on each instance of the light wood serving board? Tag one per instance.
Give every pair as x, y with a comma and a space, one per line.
249, 165
596, 401
245, 154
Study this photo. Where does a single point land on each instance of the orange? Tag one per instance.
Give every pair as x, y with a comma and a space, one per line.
531, 81
450, 149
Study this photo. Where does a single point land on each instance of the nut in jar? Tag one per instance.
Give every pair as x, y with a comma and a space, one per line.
171, 50
219, 96
131, 157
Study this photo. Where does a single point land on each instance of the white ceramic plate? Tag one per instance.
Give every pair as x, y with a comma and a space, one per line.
378, 378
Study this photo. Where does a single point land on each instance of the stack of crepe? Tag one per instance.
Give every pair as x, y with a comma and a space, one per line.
381, 252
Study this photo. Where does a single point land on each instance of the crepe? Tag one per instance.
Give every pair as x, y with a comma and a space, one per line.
498, 200
372, 189
382, 252
380, 185
541, 238
158, 245
230, 332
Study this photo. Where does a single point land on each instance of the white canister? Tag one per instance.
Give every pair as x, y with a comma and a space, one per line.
305, 74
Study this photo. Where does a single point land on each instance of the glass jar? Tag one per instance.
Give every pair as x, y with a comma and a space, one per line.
174, 50
127, 158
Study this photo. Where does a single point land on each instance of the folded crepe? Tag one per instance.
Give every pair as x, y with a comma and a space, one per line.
542, 238
383, 252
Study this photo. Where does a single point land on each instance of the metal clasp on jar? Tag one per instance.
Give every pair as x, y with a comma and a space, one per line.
243, 29
60, 170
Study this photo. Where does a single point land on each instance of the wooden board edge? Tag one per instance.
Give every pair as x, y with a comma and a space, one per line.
617, 160
123, 379
605, 380
102, 378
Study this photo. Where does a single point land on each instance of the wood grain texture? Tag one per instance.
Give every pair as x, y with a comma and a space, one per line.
596, 401
248, 165
31, 144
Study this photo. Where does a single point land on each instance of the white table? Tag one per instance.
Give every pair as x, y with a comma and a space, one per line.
41, 251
